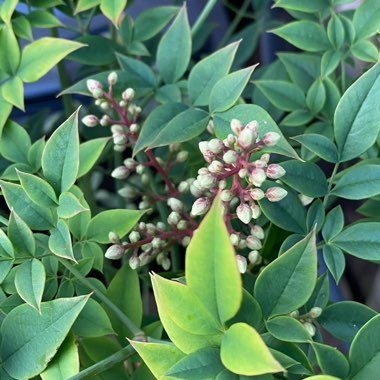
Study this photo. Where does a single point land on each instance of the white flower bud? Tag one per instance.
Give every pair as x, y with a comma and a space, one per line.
271, 138
90, 121
305, 200
210, 127
243, 173
275, 194
183, 187
122, 103
134, 128
112, 78
260, 164
226, 195
98, 102
275, 171
161, 226
196, 190
157, 243
182, 156
130, 163
128, 94
186, 241
247, 138
127, 192
93, 85
134, 236
256, 211
244, 213
207, 181
309, 327
265, 157
242, 244
121, 172
143, 205
182, 225
140, 169
253, 242
166, 263
241, 263
315, 312
216, 167
222, 184
258, 176
120, 139
142, 226
134, 262
97, 94
175, 204
113, 237
147, 247
150, 228
294, 314
203, 171
234, 239
236, 126
230, 157
203, 147
256, 194
104, 105
215, 146
257, 231
175, 147
117, 129
200, 206
115, 252
119, 148
231, 140
174, 218
145, 179
253, 126
253, 257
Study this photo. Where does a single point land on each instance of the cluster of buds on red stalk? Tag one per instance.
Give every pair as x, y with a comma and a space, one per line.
307, 319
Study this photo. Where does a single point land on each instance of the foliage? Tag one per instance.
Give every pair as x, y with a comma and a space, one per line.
242, 167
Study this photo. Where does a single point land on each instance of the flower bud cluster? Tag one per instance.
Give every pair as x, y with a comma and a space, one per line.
307, 319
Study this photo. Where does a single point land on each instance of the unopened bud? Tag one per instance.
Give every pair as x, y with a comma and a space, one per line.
157, 243
243, 173
182, 225
226, 195
216, 167
294, 314
253, 257
236, 126
247, 138
234, 239
242, 244
142, 226
113, 237
112, 78
215, 146
310, 328
244, 213
130, 163
93, 85
175, 204
145, 179
258, 232
241, 263
260, 164
121, 172
128, 94
97, 94
134, 128
256, 194
186, 241
275, 171
115, 252
122, 103
104, 105
271, 138
120, 139
134, 262
200, 206
117, 129
253, 242
231, 140
210, 127
203, 147
150, 228
230, 157
258, 177
127, 192
174, 218
275, 194
196, 189
265, 157
315, 312
105, 121
256, 211
140, 169
305, 200
253, 126
183, 187
222, 184
207, 181
134, 236
175, 147
182, 156
166, 263
90, 121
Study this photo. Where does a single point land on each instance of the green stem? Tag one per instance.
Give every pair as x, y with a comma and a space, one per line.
203, 16
235, 22
103, 298
105, 364
335, 170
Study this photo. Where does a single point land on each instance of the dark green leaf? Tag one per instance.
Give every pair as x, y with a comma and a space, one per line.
335, 261
287, 329
334, 223
60, 241
21, 236
366, 19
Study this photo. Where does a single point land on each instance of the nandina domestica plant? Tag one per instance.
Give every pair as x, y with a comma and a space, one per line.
193, 178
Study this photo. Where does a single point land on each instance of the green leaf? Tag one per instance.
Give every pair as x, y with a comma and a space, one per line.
315, 216
249, 356
60, 158
365, 351
321, 293
366, 19
89, 153
30, 282
335, 261
151, 21
89, 249
113, 10
37, 217
206, 73
365, 50
159, 357
38, 190
15, 143
204, 363
69, 206
330, 61
335, 31
35, 153
320, 145
357, 116
22, 28
9, 62
84, 5
296, 274
78, 224
306, 35
334, 223
129, 302
92, 321
168, 93
13, 92
206, 273
174, 49
246, 113
302, 6
284, 95
6, 246
34, 65
316, 96
359, 183
288, 214
65, 362
7, 9
21, 236
344, 319
297, 118
43, 19
119, 221
160, 117
25, 352
287, 329
360, 240
60, 241
370, 208
227, 90
305, 177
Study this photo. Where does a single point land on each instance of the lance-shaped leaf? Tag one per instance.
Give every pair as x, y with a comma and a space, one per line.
69, 206
60, 241
89, 153
113, 10
21, 236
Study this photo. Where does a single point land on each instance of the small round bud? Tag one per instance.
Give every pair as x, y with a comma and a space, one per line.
150, 228
215, 145
243, 173
253, 257
143, 205
258, 177
230, 157
97, 94
207, 181
256, 194
275, 194
242, 244
236, 126
134, 262
234, 239
182, 225
186, 241
142, 226
265, 157
98, 102
104, 105
119, 148
203, 147
113, 237
145, 179
226, 195
112, 78
130, 163
253, 126
271, 138
244, 213
122, 103
145, 258
210, 127
200, 206
127, 192
310, 328
195, 189
175, 204
253, 242
216, 167
128, 94
90, 121
258, 232
247, 138
140, 169
256, 211
121, 172
157, 243
275, 171
315, 312
222, 184
93, 85
175, 147
260, 164
115, 252
241, 263
105, 121
134, 128
117, 129
231, 140
134, 236
305, 200
183, 187
166, 263
182, 156
174, 218
294, 314
161, 226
